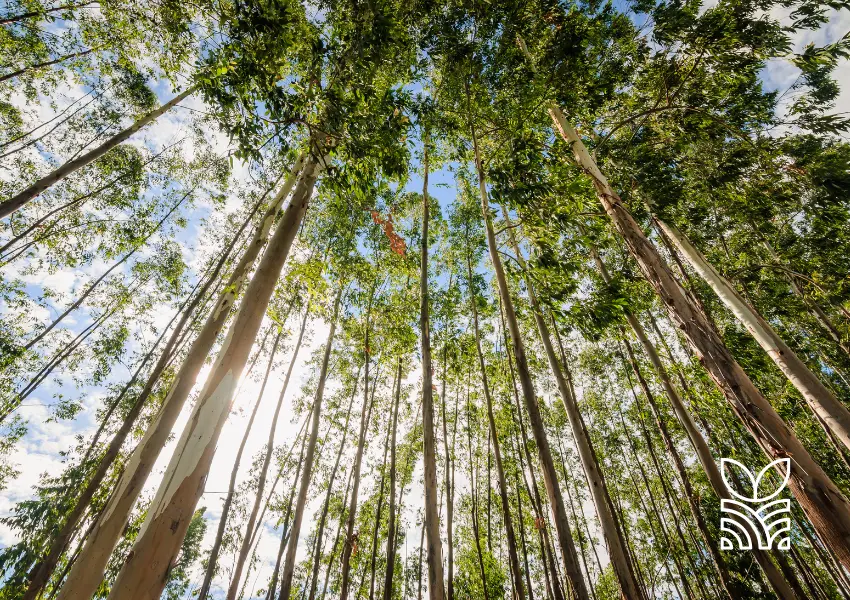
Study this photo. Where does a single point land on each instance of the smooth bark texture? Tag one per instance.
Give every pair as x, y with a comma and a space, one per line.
431, 524
351, 535
168, 517
824, 504
212, 561
85, 576
550, 477
7, 207
323, 518
40, 573
247, 540
391, 526
617, 550
513, 556
306, 475
832, 413
285, 530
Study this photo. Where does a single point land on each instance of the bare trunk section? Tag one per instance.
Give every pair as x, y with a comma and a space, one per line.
820, 399
436, 585
473, 493
7, 207
40, 573
284, 532
306, 475
620, 558
686, 422
323, 518
85, 576
351, 535
685, 581
516, 572
550, 477
158, 542
231, 489
391, 526
450, 567
247, 540
824, 504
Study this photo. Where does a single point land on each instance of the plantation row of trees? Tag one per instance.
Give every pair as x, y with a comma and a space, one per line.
489, 288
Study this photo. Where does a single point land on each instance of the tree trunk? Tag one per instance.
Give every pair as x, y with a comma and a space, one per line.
450, 567
306, 475
143, 575
373, 559
620, 559
85, 576
7, 207
690, 495
322, 519
476, 530
550, 478
247, 540
231, 489
516, 573
351, 535
337, 538
41, 572
824, 504
657, 512
823, 403
391, 526
436, 586
284, 532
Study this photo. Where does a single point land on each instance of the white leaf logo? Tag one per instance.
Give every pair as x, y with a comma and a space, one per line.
754, 517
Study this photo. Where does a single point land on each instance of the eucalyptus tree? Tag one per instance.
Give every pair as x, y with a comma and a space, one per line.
829, 509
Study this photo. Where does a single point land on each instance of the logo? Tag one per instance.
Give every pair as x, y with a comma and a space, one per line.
757, 521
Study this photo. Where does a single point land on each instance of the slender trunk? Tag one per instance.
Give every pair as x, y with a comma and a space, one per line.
685, 581
40, 573
522, 538
284, 532
337, 537
351, 535
9, 206
324, 515
247, 540
476, 531
373, 559
582, 534
690, 495
143, 575
516, 573
450, 568
822, 401
550, 478
85, 576
289, 564
47, 63
824, 504
231, 489
436, 585
620, 559
391, 527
